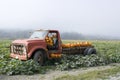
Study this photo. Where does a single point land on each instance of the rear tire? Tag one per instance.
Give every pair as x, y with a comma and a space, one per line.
89, 51
39, 58
86, 51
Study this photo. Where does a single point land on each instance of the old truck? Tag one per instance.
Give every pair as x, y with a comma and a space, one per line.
45, 45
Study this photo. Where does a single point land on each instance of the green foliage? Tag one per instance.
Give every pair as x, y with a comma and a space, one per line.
107, 52
18, 67
4, 50
77, 61
12, 66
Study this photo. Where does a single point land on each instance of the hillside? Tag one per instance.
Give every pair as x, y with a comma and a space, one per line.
15, 34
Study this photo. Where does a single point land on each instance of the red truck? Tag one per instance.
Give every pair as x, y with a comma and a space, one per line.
45, 45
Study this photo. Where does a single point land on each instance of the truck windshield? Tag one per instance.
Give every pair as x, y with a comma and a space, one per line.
39, 34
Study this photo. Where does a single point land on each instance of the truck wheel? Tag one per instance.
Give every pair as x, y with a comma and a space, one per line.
89, 51
86, 51
39, 58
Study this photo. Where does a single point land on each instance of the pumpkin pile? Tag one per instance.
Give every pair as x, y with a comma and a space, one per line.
76, 44
55, 55
49, 41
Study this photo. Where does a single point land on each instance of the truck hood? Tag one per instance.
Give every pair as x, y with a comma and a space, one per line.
26, 41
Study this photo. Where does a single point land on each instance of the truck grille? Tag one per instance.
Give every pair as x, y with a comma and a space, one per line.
17, 49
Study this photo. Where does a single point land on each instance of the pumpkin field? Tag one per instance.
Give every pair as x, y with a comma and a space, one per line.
107, 52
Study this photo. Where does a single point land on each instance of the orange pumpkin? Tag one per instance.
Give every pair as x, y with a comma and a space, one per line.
77, 44
71, 45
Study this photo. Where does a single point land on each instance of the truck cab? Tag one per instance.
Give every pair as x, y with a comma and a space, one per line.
41, 45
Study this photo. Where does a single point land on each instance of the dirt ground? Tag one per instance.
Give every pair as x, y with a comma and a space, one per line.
51, 75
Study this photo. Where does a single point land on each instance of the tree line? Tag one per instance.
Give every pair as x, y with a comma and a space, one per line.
20, 34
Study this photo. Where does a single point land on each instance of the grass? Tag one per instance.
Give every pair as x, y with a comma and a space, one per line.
92, 75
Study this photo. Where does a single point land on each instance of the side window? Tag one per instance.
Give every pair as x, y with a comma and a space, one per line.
49, 39
49, 34
52, 40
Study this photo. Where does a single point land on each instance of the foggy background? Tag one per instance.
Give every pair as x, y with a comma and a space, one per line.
88, 19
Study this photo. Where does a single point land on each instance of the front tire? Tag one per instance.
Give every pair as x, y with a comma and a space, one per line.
39, 58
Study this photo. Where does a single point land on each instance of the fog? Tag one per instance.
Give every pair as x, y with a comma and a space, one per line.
90, 17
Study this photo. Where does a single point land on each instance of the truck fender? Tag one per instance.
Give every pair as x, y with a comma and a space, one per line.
32, 52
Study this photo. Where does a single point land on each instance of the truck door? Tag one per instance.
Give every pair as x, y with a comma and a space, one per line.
53, 43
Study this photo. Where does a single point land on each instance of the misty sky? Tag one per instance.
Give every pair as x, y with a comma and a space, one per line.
84, 16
